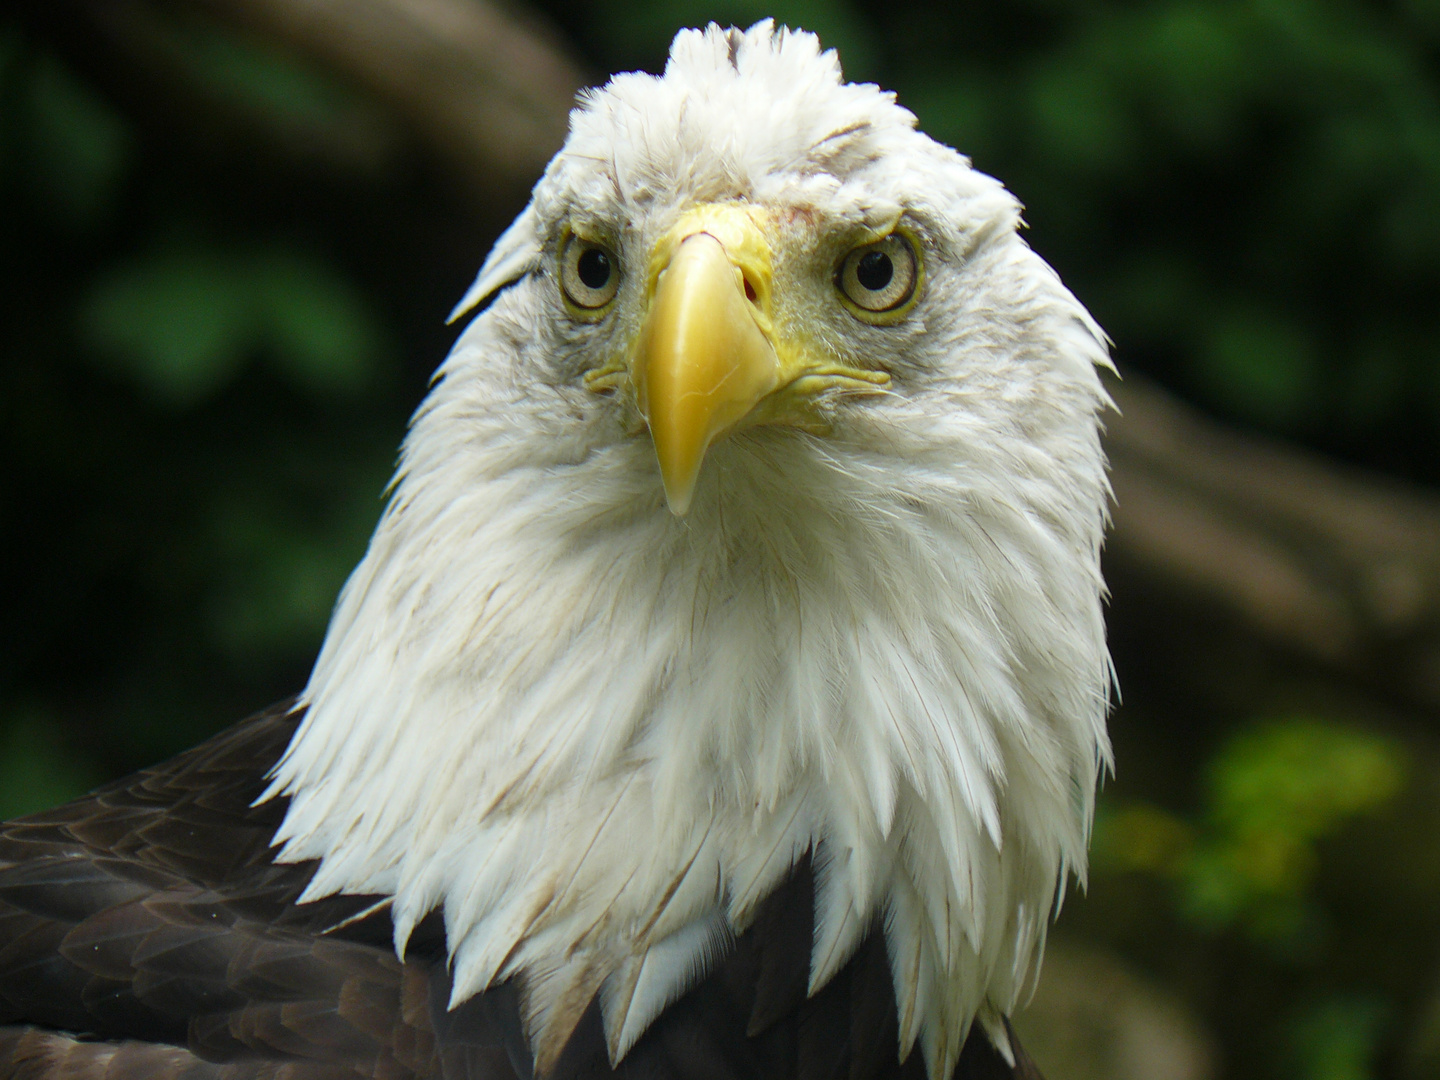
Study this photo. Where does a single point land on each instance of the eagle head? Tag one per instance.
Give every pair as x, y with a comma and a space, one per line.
759, 513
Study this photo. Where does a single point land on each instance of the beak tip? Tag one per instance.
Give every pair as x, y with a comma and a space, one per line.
679, 470
678, 501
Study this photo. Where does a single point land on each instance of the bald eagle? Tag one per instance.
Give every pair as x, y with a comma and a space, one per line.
723, 691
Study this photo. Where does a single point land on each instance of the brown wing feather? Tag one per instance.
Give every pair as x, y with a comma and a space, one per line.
146, 932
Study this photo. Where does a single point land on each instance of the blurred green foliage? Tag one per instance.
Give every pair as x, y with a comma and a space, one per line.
181, 320
79, 145
1245, 874
1273, 791
1336, 1039
202, 390
36, 768
219, 312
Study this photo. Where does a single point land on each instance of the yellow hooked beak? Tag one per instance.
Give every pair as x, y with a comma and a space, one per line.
705, 356
707, 360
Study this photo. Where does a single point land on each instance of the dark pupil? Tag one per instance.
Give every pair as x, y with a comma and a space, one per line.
874, 270
594, 268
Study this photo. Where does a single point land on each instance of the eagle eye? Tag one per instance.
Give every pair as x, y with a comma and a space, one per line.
881, 277
589, 273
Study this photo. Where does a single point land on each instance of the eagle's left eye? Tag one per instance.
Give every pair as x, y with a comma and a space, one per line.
589, 273
880, 277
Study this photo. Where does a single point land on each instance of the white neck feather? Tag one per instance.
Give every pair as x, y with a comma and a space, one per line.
598, 735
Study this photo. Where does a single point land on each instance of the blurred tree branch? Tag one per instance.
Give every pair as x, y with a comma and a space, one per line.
1340, 566
488, 93
485, 92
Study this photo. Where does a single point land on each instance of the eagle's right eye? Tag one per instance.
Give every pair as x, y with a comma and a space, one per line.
589, 273
880, 279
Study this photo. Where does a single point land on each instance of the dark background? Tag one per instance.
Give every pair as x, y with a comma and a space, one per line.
230, 238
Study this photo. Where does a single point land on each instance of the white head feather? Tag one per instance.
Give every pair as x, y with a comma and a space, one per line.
597, 734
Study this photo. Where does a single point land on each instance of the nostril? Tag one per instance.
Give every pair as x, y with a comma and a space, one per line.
750, 293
